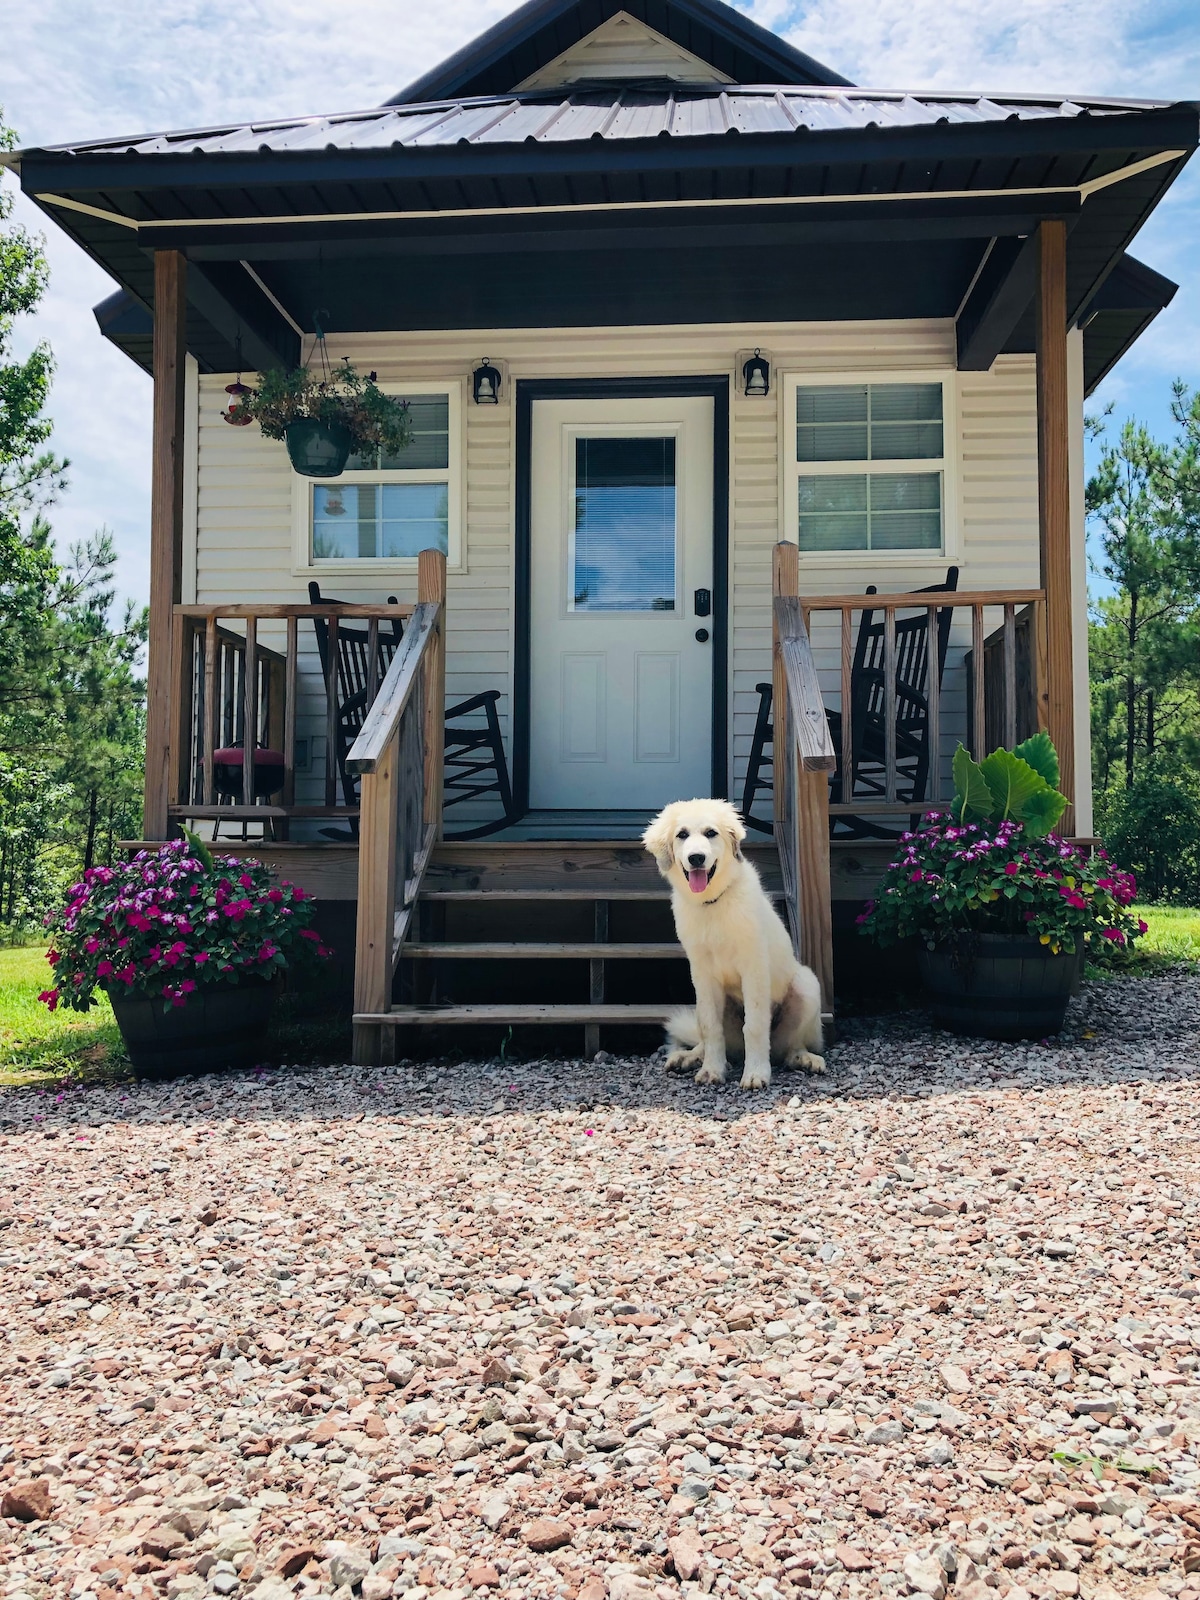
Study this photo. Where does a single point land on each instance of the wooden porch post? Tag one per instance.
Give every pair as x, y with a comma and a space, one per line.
431, 587
814, 908
166, 531
1054, 501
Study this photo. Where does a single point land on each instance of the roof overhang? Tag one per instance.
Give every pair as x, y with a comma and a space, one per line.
786, 225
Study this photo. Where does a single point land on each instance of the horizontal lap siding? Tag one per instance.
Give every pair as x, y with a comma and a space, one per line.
244, 508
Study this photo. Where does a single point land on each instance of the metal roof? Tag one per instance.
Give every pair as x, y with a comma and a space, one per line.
622, 112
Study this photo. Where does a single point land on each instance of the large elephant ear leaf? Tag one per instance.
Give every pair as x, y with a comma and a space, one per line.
972, 796
1011, 782
1042, 811
1041, 755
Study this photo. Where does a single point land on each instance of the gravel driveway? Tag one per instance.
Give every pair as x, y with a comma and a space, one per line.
568, 1328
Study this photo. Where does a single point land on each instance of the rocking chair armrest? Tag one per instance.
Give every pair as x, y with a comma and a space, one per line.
476, 702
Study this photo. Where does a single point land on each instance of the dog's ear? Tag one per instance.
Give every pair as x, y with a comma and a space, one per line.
658, 839
736, 832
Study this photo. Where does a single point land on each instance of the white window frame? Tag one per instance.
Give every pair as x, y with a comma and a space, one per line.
451, 475
948, 465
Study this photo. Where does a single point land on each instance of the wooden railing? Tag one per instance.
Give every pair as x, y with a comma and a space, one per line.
804, 757
231, 689
398, 756
1006, 696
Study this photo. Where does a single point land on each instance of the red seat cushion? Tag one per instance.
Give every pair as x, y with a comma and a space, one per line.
231, 756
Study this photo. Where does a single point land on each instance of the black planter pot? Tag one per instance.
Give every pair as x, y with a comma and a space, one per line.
999, 985
318, 449
219, 1028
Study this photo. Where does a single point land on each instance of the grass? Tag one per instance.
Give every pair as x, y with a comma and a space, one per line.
1174, 933
37, 1045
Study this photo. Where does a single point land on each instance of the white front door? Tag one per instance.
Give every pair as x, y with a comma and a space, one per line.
621, 545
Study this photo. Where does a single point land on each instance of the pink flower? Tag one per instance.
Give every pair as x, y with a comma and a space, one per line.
49, 997
187, 986
1143, 927
246, 881
91, 945
1113, 935
1012, 868
275, 895
200, 957
53, 957
916, 877
103, 968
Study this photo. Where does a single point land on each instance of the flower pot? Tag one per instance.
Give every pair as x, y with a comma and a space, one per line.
318, 449
220, 1027
998, 985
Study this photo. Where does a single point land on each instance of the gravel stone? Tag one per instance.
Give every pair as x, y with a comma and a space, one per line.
362, 1331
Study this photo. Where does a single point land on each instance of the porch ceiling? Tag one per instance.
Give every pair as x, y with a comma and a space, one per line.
612, 205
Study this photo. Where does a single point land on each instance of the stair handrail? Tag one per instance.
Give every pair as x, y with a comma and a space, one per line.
803, 756
398, 756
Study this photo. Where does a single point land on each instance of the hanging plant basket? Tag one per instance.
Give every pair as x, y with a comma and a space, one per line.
326, 417
318, 449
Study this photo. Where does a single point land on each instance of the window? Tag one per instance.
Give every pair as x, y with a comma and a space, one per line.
623, 538
388, 509
869, 467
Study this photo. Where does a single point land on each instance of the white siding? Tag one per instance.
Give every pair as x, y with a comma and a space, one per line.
244, 505
623, 47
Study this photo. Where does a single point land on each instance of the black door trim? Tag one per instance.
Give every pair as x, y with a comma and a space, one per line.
529, 390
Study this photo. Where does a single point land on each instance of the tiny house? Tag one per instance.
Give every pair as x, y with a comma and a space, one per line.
746, 459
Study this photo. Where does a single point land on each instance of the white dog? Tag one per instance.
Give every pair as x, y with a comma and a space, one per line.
752, 994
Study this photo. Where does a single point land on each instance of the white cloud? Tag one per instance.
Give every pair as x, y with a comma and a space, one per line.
74, 69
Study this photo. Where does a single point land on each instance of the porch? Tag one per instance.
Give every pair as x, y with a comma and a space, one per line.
514, 931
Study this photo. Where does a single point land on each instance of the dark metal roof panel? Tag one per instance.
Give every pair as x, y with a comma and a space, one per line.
617, 113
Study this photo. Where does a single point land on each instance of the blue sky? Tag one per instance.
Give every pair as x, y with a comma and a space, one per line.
76, 69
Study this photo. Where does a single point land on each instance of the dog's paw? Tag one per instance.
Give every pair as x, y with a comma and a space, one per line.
709, 1074
805, 1061
756, 1077
684, 1060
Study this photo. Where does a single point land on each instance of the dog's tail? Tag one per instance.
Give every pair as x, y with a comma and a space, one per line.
683, 1032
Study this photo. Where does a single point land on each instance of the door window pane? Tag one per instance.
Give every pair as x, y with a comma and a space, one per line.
365, 521
624, 535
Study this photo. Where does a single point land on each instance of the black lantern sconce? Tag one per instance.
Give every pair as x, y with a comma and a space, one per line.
756, 376
485, 384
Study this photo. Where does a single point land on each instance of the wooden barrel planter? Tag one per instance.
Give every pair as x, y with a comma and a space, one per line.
219, 1029
999, 985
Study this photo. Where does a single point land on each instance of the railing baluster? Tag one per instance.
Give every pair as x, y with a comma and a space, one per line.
889, 698
933, 679
290, 687
249, 710
845, 758
1010, 676
980, 703
331, 715
211, 705
372, 660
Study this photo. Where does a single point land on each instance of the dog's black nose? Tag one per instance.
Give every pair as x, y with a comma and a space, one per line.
695, 860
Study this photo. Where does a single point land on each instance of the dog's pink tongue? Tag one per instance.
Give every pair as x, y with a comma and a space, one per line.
697, 880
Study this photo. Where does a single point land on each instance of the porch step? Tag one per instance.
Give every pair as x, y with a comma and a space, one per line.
477, 950
636, 1016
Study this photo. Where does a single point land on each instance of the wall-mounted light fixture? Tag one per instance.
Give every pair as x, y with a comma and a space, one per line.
485, 384
756, 376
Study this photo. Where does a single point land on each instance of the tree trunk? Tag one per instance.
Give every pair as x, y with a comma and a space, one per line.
89, 849
1149, 724
1130, 690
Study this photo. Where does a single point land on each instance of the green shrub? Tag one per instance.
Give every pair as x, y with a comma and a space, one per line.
1153, 829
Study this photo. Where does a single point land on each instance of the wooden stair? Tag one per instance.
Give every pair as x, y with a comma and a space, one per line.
519, 934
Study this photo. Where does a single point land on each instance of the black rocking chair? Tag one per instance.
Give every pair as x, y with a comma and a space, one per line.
475, 763
868, 769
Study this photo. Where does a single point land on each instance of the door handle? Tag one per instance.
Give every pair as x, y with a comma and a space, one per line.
702, 602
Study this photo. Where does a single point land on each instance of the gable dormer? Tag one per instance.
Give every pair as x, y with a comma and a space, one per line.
624, 49
549, 44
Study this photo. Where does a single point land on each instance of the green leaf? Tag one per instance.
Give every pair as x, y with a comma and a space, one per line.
1042, 811
1011, 783
972, 797
1041, 755
199, 849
